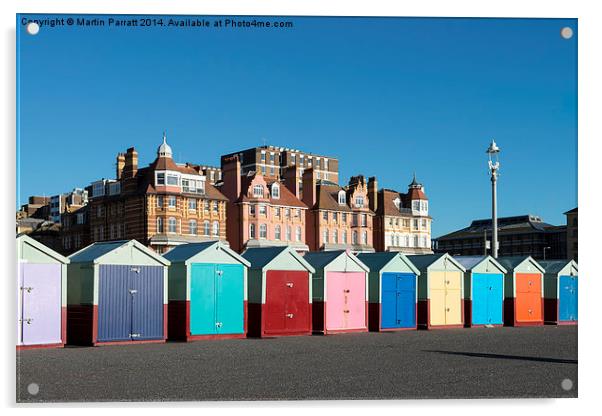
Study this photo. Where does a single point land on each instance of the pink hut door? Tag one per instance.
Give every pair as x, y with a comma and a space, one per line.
346, 301
41, 304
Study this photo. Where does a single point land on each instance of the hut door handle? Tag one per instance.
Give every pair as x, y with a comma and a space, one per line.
447, 281
346, 311
27, 288
447, 309
135, 335
135, 269
530, 311
530, 283
346, 291
289, 315
219, 324
289, 284
219, 272
133, 291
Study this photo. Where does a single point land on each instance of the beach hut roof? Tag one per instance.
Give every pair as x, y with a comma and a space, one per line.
377, 261
321, 259
185, 252
261, 257
95, 252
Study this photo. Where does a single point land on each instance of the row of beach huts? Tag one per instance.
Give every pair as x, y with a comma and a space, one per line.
122, 292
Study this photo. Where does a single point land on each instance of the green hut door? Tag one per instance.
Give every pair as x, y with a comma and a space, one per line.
216, 299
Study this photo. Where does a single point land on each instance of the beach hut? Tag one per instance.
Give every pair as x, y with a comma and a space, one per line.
483, 291
279, 284
339, 292
117, 294
560, 291
523, 291
392, 291
207, 292
440, 288
41, 295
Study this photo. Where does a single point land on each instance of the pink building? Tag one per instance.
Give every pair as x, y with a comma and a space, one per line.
262, 212
338, 217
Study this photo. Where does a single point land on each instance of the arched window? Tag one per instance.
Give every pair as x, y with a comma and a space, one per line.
298, 234
159, 225
215, 229
325, 236
342, 198
335, 236
251, 230
172, 225
354, 237
192, 227
365, 237
206, 228
263, 231
345, 237
359, 201
277, 233
416, 243
275, 190
258, 191
288, 233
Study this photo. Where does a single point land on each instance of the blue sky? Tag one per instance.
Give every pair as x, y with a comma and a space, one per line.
387, 96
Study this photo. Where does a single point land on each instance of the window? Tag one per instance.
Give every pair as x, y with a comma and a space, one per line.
251, 230
192, 227
215, 207
263, 170
364, 220
397, 240
415, 224
275, 191
263, 231
258, 191
112, 231
345, 237
416, 241
159, 202
101, 232
171, 201
100, 211
423, 241
344, 217
160, 179
297, 213
359, 201
206, 228
424, 224
335, 236
287, 212
159, 225
272, 170
325, 236
263, 156
354, 238
342, 198
173, 180
172, 225
277, 211
192, 204
288, 233
298, 234
293, 159
263, 210
406, 223
335, 217
215, 229
277, 233
416, 205
206, 206
325, 215
251, 209
354, 220
98, 189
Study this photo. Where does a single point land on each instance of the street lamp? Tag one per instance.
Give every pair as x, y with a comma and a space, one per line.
494, 165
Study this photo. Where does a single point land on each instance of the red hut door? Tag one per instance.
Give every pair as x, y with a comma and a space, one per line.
287, 302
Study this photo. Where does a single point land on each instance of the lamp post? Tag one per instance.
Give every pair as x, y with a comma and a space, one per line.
494, 165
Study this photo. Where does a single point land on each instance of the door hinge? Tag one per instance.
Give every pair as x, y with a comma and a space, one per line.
27, 288
135, 335
135, 269
28, 321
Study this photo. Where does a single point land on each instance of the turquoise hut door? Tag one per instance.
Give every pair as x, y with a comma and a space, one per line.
216, 299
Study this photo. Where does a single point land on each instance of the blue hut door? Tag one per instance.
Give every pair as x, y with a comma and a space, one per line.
146, 286
567, 300
202, 299
487, 298
230, 299
398, 300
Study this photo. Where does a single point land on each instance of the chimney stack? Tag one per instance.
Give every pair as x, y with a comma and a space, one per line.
120, 165
373, 193
309, 187
130, 167
231, 178
291, 180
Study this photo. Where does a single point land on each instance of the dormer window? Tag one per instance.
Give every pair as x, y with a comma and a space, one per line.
275, 191
342, 198
359, 201
397, 203
258, 191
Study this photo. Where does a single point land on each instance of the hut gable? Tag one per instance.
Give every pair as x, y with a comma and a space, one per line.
118, 252
32, 251
480, 264
206, 252
337, 260
520, 264
281, 258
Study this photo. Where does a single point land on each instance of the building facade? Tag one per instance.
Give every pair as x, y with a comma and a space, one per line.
261, 211
162, 205
75, 230
273, 162
69, 201
524, 235
572, 235
402, 222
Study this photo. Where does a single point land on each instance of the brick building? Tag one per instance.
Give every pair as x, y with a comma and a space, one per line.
162, 205
402, 222
572, 234
75, 230
261, 211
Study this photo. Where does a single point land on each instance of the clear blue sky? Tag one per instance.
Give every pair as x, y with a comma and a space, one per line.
387, 96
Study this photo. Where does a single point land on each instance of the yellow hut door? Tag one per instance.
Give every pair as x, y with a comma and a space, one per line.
437, 298
453, 298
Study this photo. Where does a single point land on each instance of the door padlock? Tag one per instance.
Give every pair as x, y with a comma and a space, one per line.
290, 284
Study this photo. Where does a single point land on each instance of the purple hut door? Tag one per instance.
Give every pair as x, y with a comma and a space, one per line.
41, 300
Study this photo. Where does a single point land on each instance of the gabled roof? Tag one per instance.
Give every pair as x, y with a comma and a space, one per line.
423, 261
377, 261
261, 257
572, 211
184, 252
327, 197
321, 259
25, 239
95, 251
556, 266
512, 262
470, 262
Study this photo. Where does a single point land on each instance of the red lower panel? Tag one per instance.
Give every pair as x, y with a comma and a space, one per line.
423, 316
318, 316
255, 320
550, 311
147, 341
80, 324
165, 321
178, 319
374, 315
467, 303
35, 347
